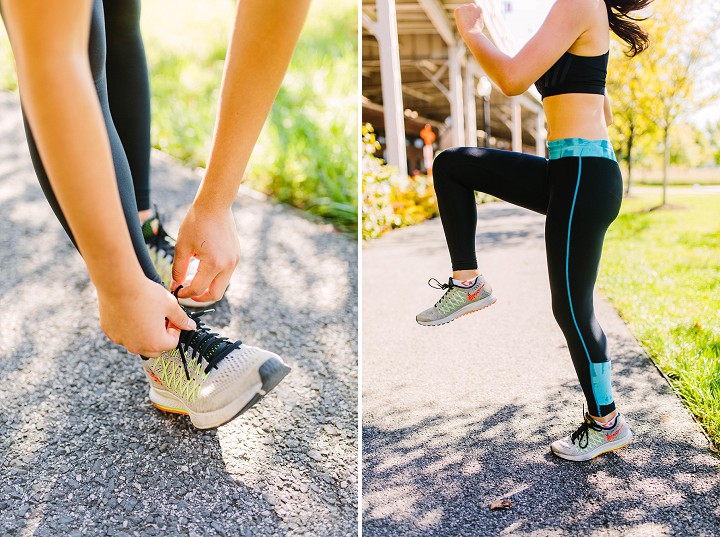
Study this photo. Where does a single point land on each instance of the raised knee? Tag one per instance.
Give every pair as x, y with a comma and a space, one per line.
443, 163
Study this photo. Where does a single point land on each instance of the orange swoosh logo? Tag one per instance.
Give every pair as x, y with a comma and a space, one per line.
476, 293
154, 376
611, 437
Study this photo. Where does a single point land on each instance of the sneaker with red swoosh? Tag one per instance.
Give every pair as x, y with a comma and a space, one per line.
591, 440
457, 301
210, 378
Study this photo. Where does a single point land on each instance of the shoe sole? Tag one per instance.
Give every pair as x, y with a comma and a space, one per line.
606, 448
465, 310
271, 372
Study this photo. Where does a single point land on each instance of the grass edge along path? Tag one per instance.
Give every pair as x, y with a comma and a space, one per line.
660, 271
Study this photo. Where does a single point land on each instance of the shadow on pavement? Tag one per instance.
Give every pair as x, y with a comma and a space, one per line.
82, 450
438, 476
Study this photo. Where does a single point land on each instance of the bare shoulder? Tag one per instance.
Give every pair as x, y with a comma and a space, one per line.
579, 9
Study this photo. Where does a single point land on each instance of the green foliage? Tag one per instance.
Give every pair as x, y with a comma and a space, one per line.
655, 94
661, 271
307, 154
8, 79
388, 200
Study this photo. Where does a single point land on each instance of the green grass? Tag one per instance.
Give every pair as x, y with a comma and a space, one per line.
677, 176
661, 270
307, 153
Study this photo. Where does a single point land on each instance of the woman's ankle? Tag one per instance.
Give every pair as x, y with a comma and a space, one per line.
606, 419
465, 274
145, 215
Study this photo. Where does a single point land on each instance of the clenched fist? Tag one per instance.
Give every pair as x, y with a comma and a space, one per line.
469, 18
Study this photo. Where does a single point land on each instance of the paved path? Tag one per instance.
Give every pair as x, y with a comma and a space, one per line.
457, 416
82, 451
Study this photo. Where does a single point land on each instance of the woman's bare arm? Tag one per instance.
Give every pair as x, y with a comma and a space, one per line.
264, 36
50, 44
567, 20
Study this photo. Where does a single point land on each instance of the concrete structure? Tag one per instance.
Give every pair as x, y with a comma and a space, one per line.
414, 64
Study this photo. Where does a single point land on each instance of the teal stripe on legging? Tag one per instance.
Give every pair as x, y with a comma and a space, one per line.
599, 373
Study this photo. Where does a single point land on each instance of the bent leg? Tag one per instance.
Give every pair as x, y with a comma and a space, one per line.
122, 170
129, 90
585, 198
518, 178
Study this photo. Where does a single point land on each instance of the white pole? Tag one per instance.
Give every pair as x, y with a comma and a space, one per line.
470, 111
541, 135
391, 85
456, 97
516, 125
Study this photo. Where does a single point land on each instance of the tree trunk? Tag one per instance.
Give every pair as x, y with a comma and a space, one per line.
666, 163
631, 139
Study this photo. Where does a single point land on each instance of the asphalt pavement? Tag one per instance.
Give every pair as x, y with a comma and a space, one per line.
82, 451
458, 416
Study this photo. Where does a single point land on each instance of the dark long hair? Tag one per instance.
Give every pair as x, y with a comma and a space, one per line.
625, 25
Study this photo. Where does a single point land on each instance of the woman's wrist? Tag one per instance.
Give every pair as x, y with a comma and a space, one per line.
211, 199
122, 280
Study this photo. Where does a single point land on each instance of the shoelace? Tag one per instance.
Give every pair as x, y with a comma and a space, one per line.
205, 344
447, 287
583, 432
161, 240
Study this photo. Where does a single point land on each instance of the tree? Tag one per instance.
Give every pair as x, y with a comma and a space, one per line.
681, 45
631, 106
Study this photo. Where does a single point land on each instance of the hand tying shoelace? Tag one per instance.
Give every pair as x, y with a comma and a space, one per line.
205, 344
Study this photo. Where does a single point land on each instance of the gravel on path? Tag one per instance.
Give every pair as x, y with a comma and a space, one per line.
457, 416
82, 451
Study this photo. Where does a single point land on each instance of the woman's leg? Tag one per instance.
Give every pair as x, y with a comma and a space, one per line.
585, 197
518, 178
122, 169
129, 90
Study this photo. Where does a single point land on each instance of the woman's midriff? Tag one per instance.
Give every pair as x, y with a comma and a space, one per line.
575, 115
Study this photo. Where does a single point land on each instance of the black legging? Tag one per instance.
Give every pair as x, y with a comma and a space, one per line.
130, 143
581, 196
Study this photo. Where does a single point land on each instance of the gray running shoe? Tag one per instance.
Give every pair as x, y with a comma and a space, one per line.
591, 440
457, 301
211, 379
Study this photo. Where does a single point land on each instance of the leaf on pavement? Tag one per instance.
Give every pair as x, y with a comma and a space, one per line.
500, 504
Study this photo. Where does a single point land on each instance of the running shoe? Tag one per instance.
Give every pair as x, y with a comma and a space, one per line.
457, 301
162, 253
591, 440
210, 378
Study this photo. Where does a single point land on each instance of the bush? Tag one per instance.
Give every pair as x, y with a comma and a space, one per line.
390, 201
306, 155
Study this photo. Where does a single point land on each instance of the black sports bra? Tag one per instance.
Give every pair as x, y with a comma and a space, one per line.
575, 74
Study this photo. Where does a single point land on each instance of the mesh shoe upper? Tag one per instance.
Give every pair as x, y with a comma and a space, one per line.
161, 247
590, 439
455, 298
206, 371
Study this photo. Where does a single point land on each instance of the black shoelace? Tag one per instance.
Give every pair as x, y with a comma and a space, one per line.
206, 345
160, 240
442, 286
583, 432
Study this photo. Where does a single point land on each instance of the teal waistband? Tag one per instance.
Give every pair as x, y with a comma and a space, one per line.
580, 147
